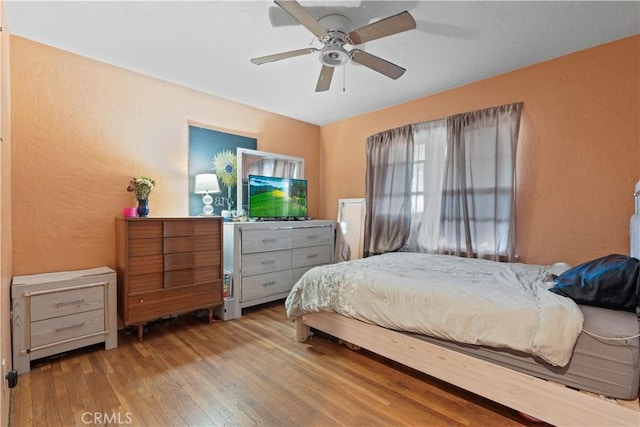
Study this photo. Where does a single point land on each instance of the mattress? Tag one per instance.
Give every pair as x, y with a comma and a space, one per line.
607, 367
466, 300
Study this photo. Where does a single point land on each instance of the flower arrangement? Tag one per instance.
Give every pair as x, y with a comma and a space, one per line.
142, 186
225, 164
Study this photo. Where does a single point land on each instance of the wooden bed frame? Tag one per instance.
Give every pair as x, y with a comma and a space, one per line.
545, 400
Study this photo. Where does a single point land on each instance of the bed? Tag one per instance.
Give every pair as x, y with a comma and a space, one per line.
518, 344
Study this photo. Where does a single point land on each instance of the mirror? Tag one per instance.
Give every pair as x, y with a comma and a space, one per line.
254, 162
350, 230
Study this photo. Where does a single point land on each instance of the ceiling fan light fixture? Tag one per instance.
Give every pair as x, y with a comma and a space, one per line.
334, 56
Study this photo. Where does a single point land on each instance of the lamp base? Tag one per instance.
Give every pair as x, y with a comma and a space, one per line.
207, 209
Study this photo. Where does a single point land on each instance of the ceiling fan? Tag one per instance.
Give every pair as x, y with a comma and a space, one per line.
333, 32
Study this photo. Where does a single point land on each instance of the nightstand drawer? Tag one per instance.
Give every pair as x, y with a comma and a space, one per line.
264, 285
315, 255
63, 303
66, 327
265, 240
265, 262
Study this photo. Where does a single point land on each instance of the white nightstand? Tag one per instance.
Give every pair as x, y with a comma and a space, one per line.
57, 312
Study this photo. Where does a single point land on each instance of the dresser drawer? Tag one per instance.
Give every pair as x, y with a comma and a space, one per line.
270, 239
158, 304
265, 262
297, 273
311, 236
144, 230
314, 255
172, 245
191, 276
265, 285
145, 247
190, 227
146, 282
63, 303
62, 328
191, 259
177, 228
145, 265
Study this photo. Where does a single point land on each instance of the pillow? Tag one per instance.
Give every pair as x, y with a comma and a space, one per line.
607, 282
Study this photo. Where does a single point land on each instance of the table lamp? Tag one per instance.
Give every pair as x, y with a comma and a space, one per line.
206, 183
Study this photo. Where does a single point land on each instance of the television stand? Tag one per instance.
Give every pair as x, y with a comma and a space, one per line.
265, 259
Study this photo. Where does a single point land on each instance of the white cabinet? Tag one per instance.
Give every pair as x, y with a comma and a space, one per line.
56, 312
265, 259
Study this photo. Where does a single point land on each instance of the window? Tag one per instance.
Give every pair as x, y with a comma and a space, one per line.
461, 184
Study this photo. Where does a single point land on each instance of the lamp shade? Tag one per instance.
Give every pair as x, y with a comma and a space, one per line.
206, 183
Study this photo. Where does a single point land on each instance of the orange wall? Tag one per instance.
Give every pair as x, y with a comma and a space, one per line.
5, 212
82, 129
578, 150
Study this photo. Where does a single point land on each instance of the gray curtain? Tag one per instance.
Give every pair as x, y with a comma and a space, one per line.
478, 198
273, 167
388, 190
445, 186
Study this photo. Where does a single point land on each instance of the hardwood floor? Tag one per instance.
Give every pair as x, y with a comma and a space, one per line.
248, 371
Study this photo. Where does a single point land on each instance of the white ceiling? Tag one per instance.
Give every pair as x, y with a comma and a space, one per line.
206, 45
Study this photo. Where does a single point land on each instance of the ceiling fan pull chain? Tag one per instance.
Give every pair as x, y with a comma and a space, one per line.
344, 78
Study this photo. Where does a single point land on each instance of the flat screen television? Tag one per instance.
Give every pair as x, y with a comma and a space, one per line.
277, 198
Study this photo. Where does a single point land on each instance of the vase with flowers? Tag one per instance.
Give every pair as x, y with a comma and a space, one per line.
142, 186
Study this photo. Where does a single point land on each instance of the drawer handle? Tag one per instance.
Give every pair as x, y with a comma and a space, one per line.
70, 302
312, 237
271, 283
268, 261
73, 326
271, 240
312, 256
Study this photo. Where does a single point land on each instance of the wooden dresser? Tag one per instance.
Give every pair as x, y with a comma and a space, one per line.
167, 266
56, 312
266, 259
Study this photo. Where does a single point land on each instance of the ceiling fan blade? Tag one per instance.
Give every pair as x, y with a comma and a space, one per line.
377, 64
294, 9
395, 24
324, 80
283, 55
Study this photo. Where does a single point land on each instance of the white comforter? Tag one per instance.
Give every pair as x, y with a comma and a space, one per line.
465, 300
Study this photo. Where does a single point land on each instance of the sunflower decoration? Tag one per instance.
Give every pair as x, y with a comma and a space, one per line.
225, 165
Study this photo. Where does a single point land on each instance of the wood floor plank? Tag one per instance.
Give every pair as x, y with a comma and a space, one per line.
245, 372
